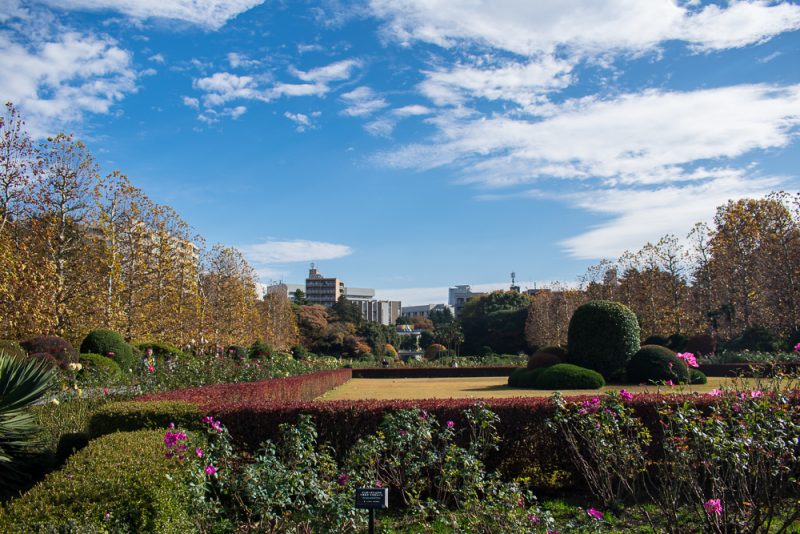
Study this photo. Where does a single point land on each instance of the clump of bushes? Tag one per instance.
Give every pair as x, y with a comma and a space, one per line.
603, 335
60, 349
524, 377
654, 363
696, 377
434, 351
162, 351
701, 345
259, 349
119, 483
98, 369
755, 338
236, 352
111, 345
568, 376
547, 357
129, 416
656, 340
12, 348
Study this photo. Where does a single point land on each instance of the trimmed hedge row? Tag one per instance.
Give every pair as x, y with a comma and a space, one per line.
130, 416
431, 372
526, 447
119, 483
295, 388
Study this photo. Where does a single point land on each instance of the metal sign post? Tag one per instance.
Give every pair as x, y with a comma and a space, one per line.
370, 499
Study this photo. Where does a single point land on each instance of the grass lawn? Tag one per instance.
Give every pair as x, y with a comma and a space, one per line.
481, 387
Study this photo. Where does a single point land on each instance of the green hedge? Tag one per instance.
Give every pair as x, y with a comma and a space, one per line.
654, 363
119, 483
524, 377
134, 415
12, 348
603, 335
110, 344
568, 376
98, 369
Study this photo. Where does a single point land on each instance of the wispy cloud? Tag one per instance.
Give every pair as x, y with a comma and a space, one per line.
299, 250
362, 101
212, 14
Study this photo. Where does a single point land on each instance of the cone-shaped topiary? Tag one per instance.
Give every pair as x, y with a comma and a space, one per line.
111, 345
654, 363
603, 335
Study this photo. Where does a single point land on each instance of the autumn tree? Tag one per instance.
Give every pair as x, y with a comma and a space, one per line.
278, 324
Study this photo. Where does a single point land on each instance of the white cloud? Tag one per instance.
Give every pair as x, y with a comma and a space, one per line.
239, 60
381, 127
158, 58
413, 110
585, 27
362, 101
57, 79
191, 102
338, 71
302, 121
636, 138
642, 215
212, 14
523, 83
299, 250
223, 87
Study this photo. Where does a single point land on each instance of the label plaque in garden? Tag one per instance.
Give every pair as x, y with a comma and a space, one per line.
371, 498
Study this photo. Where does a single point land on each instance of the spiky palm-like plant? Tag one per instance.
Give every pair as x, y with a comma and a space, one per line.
22, 382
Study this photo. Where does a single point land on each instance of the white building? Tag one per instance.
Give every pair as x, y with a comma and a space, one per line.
423, 310
458, 296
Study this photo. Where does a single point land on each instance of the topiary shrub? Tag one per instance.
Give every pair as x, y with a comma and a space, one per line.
697, 377
677, 342
118, 483
57, 347
654, 363
543, 359
12, 348
656, 340
701, 345
69, 444
561, 352
111, 345
524, 377
98, 369
135, 415
568, 376
259, 349
602, 336
435, 351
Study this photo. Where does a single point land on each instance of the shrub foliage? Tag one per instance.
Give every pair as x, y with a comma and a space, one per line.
654, 363
603, 335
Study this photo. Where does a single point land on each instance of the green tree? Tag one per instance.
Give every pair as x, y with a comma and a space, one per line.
300, 297
346, 311
496, 320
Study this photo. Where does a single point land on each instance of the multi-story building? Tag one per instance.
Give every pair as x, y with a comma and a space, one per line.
354, 294
458, 296
321, 290
379, 311
287, 290
423, 310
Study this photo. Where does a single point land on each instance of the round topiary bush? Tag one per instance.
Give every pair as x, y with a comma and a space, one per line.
677, 342
653, 363
12, 348
57, 347
568, 376
656, 340
523, 377
759, 339
701, 345
98, 369
602, 336
697, 377
543, 359
111, 345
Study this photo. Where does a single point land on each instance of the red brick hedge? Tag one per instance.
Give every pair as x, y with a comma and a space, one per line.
295, 388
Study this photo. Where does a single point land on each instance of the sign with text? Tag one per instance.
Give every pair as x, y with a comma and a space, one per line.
372, 498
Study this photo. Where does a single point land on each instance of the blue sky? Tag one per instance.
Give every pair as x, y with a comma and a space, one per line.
409, 145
